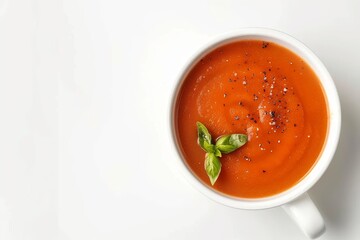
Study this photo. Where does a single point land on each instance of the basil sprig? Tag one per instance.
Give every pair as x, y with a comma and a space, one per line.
224, 144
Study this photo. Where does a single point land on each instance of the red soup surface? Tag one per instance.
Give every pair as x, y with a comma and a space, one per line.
265, 91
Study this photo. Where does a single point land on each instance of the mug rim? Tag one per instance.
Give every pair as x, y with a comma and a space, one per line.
334, 114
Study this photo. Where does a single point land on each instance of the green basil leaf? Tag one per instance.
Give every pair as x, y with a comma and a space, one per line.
210, 148
217, 152
231, 142
204, 138
212, 167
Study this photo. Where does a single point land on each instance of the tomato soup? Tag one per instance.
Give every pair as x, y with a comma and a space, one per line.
265, 91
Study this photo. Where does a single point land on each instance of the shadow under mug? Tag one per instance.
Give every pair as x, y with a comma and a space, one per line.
295, 201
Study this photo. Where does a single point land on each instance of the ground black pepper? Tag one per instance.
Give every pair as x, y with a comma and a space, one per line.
272, 114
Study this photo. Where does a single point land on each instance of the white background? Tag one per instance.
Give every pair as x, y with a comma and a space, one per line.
84, 86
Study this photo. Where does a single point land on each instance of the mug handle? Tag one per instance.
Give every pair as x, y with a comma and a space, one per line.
307, 216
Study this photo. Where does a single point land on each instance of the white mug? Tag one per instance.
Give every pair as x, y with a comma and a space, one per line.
295, 201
